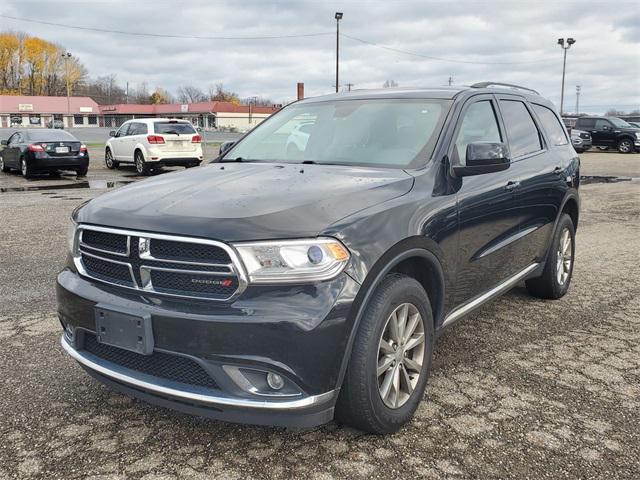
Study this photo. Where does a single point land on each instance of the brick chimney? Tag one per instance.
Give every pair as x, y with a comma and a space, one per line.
300, 90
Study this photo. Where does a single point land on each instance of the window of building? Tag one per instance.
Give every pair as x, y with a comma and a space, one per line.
93, 119
78, 120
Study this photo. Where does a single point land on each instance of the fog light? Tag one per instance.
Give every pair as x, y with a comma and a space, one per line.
275, 381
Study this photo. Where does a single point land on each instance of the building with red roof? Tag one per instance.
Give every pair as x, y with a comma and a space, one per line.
21, 110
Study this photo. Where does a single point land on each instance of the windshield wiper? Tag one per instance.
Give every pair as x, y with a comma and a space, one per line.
237, 159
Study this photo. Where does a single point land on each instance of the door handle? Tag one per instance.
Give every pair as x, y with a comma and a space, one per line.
558, 170
512, 185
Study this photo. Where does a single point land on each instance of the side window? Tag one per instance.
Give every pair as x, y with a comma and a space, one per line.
586, 123
521, 129
137, 129
602, 124
551, 125
478, 125
12, 139
122, 132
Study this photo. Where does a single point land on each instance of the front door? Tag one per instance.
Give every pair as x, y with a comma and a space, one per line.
486, 206
11, 153
603, 134
119, 142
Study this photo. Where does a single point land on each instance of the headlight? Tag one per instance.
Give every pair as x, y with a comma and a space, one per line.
291, 261
637, 134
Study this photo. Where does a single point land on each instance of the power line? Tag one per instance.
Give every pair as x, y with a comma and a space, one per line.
165, 35
439, 59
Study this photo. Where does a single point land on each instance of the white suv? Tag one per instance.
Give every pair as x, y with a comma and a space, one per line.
152, 143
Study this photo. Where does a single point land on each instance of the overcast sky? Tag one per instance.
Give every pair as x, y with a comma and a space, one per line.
605, 61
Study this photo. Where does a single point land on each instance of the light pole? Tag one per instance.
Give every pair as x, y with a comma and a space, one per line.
338, 17
66, 56
578, 87
565, 46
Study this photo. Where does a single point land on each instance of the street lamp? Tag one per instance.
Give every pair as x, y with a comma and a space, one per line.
565, 46
338, 17
66, 56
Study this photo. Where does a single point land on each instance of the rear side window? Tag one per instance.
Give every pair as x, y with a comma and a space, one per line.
478, 125
551, 125
138, 129
586, 123
521, 129
178, 128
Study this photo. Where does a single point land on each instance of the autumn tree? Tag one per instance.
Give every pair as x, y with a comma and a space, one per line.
160, 95
219, 94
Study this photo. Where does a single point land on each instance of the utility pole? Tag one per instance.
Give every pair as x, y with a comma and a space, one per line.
126, 94
578, 87
565, 46
338, 17
66, 56
450, 80
349, 85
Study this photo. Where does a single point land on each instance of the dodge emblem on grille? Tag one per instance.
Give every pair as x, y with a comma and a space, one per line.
206, 281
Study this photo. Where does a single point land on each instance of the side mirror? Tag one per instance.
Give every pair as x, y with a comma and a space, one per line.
4, 143
484, 157
112, 133
225, 147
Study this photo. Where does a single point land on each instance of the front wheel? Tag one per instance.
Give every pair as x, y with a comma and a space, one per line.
109, 160
3, 167
625, 145
390, 359
558, 269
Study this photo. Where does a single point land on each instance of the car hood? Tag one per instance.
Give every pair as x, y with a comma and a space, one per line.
246, 201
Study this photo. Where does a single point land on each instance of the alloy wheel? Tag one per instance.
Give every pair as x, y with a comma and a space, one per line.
1, 163
564, 257
625, 146
23, 167
401, 353
108, 159
139, 164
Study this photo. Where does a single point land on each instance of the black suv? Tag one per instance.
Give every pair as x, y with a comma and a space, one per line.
611, 132
287, 286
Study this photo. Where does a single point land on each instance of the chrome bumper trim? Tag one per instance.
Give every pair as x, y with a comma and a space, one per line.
192, 396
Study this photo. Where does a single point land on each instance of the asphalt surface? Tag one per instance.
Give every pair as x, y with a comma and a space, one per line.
523, 388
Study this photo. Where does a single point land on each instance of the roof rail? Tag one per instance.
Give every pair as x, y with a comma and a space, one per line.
499, 84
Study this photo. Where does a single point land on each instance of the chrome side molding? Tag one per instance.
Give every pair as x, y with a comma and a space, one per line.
485, 297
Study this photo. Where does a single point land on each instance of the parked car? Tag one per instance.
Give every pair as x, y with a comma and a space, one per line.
581, 140
55, 124
43, 151
611, 132
151, 143
634, 124
286, 291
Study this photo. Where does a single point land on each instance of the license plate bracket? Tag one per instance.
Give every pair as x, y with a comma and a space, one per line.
62, 149
122, 329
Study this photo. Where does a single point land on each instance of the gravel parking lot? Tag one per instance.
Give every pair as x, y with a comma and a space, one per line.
524, 388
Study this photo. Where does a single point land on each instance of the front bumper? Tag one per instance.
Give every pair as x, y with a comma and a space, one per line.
300, 333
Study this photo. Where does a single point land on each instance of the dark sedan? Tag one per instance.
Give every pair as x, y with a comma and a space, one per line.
36, 151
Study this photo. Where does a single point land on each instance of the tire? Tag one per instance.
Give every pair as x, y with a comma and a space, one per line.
25, 168
579, 150
3, 167
625, 145
141, 166
552, 284
109, 161
603, 148
82, 171
360, 403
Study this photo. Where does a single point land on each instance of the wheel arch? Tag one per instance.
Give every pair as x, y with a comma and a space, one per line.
417, 257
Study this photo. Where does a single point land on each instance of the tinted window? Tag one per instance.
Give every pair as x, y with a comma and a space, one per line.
551, 125
137, 129
586, 123
521, 130
382, 132
601, 124
51, 136
173, 127
478, 125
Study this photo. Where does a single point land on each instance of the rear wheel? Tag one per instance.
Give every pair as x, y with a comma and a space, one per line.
390, 360
558, 270
109, 161
82, 171
625, 145
3, 167
141, 166
25, 168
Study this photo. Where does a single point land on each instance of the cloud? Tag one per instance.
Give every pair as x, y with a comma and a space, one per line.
605, 61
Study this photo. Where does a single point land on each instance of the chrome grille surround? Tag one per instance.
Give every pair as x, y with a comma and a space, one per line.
140, 262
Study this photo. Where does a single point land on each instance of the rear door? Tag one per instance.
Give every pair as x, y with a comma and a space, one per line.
178, 137
486, 206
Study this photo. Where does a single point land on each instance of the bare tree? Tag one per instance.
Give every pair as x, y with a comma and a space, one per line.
219, 94
191, 94
389, 84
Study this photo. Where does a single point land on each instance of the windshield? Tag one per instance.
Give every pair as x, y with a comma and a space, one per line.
383, 132
179, 128
618, 122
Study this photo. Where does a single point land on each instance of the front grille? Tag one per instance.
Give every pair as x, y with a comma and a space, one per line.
159, 364
162, 264
194, 284
109, 242
107, 270
186, 251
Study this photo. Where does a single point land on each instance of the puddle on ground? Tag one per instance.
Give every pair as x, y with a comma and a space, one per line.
587, 179
97, 184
